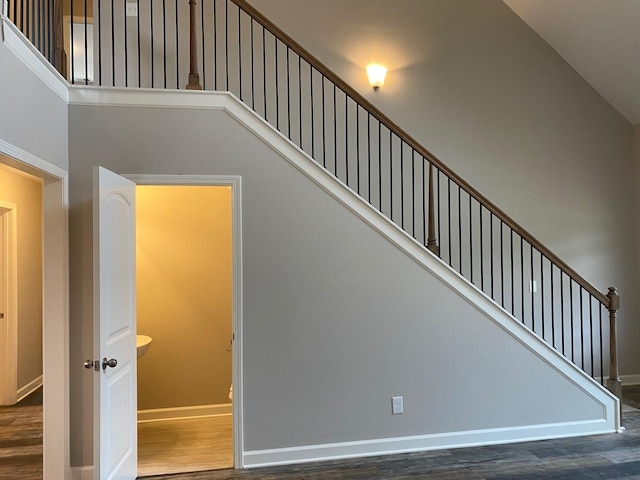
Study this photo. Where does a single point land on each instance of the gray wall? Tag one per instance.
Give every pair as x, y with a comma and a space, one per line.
336, 319
33, 117
478, 88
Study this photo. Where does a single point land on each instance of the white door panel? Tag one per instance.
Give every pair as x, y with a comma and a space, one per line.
115, 454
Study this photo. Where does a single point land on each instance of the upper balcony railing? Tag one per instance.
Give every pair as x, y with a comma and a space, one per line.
228, 45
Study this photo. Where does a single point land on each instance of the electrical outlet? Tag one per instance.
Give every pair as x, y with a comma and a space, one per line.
132, 9
396, 405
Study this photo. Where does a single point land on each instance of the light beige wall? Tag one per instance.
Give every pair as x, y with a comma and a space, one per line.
26, 192
184, 294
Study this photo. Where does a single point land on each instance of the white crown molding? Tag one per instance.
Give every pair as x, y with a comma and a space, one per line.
18, 153
31, 57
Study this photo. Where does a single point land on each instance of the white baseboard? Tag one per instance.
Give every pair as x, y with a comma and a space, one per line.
630, 379
157, 414
29, 388
82, 473
389, 446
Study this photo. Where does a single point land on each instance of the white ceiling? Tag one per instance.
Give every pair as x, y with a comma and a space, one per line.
600, 39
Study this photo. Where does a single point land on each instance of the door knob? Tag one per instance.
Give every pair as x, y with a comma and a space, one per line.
109, 363
89, 364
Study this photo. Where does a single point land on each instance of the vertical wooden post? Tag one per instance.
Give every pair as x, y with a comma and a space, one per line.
432, 242
194, 77
614, 384
59, 55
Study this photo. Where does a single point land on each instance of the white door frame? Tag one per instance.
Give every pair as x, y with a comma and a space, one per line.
236, 228
9, 301
55, 316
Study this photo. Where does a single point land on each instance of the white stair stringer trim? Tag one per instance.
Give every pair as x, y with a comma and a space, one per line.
227, 102
31, 57
418, 443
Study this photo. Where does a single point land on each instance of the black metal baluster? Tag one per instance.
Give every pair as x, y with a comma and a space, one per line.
449, 218
460, 229
113, 45
346, 137
226, 46
413, 232
138, 28
581, 330
335, 133
313, 128
571, 318
358, 147
438, 195
413, 198
481, 248
425, 196
178, 47
379, 165
491, 250
601, 350
593, 371
502, 263
239, 54
553, 308
542, 293
99, 43
369, 156
215, 52
470, 240
513, 291
72, 43
532, 289
204, 49
562, 311
253, 89
126, 36
300, 101
390, 177
277, 74
164, 42
153, 62
289, 97
324, 138
522, 276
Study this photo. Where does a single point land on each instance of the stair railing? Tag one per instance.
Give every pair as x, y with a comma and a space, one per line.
141, 43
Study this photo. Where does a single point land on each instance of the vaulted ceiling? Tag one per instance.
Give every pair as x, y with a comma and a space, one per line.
599, 39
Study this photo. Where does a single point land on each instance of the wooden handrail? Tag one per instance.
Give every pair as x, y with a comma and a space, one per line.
410, 141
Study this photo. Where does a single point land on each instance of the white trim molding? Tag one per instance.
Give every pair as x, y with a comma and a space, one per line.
9, 293
235, 182
29, 388
82, 473
55, 201
31, 57
177, 413
418, 443
633, 379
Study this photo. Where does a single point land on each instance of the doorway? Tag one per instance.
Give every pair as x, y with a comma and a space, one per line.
186, 302
52, 325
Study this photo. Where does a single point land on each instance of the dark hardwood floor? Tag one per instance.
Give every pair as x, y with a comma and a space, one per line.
21, 439
611, 457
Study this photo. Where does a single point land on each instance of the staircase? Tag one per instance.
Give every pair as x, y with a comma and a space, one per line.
227, 45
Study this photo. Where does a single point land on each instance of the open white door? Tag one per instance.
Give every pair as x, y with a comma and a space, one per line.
115, 392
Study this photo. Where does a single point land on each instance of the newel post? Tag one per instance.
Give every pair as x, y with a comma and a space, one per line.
194, 77
59, 55
432, 242
614, 385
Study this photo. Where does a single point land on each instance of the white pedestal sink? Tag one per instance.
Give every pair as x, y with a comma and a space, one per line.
143, 342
